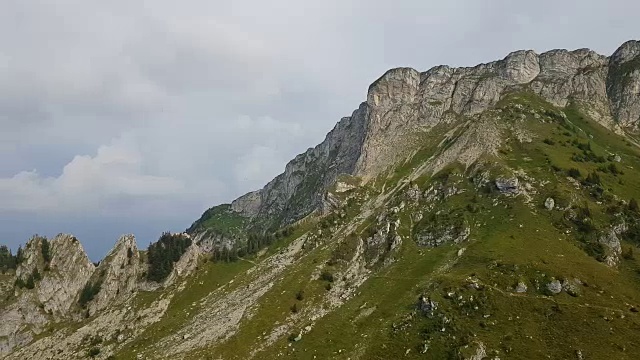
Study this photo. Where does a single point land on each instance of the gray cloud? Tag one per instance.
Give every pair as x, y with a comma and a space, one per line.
134, 116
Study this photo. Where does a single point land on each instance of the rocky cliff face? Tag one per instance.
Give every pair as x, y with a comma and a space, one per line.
298, 191
60, 278
623, 84
32, 258
117, 274
405, 102
55, 290
69, 270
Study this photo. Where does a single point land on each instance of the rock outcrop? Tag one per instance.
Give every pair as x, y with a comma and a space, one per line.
69, 270
623, 84
117, 274
59, 279
32, 260
299, 190
611, 242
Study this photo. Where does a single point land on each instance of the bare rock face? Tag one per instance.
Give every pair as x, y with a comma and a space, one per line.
611, 242
248, 204
566, 74
300, 189
571, 287
208, 241
32, 258
520, 67
396, 87
69, 270
623, 84
117, 274
187, 264
54, 293
439, 236
19, 322
390, 101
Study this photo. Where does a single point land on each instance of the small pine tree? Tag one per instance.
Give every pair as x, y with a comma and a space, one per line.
89, 291
46, 250
327, 276
19, 255
574, 173
7, 260
164, 253
36, 275
93, 352
30, 284
593, 178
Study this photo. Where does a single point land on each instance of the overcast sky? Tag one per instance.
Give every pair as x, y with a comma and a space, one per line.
135, 116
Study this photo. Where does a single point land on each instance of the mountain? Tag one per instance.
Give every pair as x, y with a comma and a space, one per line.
471, 213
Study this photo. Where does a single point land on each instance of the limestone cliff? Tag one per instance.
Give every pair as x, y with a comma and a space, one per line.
57, 280
623, 84
298, 191
69, 270
117, 274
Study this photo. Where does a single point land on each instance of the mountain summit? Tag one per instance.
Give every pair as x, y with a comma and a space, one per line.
471, 213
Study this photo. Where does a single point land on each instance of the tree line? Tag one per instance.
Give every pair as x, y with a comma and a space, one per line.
164, 253
8, 261
255, 242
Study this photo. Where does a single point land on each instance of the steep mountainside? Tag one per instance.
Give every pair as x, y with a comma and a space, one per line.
470, 213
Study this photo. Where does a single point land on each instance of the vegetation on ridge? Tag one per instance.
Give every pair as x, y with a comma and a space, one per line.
8, 261
164, 253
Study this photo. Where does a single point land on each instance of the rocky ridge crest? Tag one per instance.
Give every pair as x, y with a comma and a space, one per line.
404, 103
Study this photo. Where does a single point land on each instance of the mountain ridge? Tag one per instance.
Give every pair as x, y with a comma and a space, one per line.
518, 67
358, 183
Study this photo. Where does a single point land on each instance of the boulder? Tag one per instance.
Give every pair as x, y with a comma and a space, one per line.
571, 287
549, 204
507, 185
521, 287
426, 305
414, 193
613, 249
554, 287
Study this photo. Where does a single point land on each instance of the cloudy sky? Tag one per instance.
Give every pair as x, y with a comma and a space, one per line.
135, 116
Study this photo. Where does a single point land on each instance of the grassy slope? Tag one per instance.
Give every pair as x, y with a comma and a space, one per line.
209, 277
510, 242
501, 254
219, 219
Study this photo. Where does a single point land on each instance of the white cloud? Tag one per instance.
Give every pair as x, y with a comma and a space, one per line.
174, 164
87, 183
257, 167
